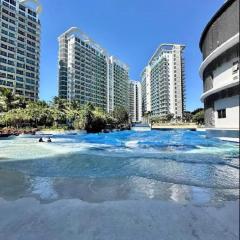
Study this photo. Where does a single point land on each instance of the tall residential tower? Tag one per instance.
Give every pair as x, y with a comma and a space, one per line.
163, 82
87, 73
20, 47
135, 101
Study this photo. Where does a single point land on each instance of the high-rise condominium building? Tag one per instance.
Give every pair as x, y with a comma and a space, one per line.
135, 101
87, 73
20, 47
219, 70
146, 90
118, 80
163, 85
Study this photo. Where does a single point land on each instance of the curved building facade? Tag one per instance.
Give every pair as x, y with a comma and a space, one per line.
219, 70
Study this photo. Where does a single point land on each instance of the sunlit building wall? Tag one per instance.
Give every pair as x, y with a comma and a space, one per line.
163, 82
20, 30
135, 101
87, 72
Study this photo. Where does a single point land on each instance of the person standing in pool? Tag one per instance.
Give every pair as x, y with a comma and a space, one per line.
49, 140
40, 139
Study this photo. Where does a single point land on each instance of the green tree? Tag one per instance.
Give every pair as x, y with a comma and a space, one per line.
121, 115
15, 118
6, 99
199, 117
17, 112
169, 117
197, 110
187, 116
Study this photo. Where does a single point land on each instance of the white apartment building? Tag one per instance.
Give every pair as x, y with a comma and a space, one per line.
118, 80
146, 90
163, 82
135, 101
87, 72
219, 70
20, 47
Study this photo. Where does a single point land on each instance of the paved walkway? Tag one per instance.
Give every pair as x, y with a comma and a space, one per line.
27, 219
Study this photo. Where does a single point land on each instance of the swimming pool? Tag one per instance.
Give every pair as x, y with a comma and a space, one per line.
179, 166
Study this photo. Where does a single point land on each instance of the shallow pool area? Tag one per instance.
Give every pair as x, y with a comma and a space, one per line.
176, 166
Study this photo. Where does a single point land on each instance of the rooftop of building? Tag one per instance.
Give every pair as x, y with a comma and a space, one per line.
33, 5
163, 48
75, 31
134, 82
35, 2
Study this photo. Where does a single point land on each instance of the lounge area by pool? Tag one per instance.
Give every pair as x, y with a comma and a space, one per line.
138, 181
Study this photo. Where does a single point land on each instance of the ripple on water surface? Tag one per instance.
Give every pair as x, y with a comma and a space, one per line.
169, 165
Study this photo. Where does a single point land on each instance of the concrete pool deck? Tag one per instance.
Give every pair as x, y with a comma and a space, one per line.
27, 219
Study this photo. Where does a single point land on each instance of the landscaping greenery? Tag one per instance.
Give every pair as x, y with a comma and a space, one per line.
18, 113
197, 116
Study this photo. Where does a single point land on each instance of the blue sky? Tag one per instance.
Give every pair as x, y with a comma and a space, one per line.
130, 30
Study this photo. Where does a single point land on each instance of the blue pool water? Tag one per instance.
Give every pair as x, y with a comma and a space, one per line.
181, 166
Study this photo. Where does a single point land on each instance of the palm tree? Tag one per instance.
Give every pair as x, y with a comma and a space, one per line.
7, 98
19, 102
59, 103
2, 104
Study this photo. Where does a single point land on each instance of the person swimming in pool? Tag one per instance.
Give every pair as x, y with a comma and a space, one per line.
49, 140
40, 139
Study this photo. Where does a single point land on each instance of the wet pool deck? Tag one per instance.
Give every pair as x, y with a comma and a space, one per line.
27, 219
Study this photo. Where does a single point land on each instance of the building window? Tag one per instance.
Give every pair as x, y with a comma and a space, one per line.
221, 113
235, 67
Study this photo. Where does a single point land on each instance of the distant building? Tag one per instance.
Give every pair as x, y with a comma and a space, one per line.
146, 90
20, 47
220, 68
163, 82
87, 73
118, 83
135, 101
